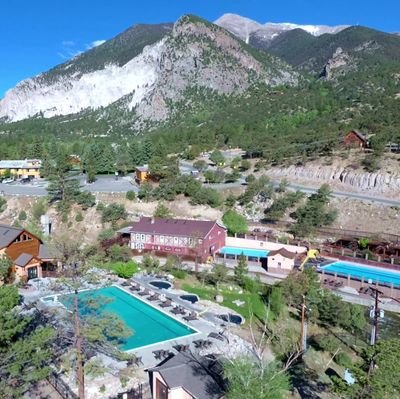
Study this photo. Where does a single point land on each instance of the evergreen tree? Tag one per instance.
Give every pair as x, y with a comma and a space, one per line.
241, 269
147, 150
25, 346
63, 185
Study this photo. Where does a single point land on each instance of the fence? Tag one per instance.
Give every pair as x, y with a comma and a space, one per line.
142, 391
61, 387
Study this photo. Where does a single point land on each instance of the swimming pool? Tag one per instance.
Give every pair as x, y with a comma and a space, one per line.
149, 325
367, 272
254, 253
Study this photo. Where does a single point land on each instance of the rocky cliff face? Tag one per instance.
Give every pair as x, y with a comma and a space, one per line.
195, 54
379, 182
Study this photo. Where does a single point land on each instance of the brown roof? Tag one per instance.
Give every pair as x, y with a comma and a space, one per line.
284, 252
8, 234
360, 135
176, 227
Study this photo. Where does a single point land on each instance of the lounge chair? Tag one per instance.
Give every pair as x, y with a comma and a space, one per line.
138, 361
157, 354
181, 348
144, 292
176, 310
199, 343
191, 316
216, 336
166, 304
154, 297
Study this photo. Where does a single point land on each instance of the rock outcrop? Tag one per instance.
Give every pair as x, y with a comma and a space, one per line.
359, 180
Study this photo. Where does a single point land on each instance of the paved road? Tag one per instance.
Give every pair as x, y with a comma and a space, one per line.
103, 184
311, 190
108, 184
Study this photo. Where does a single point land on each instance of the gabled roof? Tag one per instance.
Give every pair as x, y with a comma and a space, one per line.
23, 259
176, 227
8, 234
200, 376
44, 252
283, 252
360, 135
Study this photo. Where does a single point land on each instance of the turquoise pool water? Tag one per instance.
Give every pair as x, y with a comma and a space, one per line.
149, 325
256, 253
368, 272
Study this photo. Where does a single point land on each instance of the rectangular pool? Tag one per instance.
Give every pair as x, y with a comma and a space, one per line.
149, 325
375, 274
255, 253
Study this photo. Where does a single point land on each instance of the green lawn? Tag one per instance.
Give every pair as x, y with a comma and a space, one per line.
253, 303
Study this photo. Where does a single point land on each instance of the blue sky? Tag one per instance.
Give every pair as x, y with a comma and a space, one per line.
37, 35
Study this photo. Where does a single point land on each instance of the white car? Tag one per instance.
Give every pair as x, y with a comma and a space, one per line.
8, 181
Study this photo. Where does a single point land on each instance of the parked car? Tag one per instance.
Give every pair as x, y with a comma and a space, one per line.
8, 181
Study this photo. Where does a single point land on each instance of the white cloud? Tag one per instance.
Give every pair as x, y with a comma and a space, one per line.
70, 49
96, 43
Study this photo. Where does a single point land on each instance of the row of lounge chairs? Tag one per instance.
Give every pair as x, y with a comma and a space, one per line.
152, 296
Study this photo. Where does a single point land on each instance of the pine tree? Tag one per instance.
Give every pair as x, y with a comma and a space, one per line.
241, 269
63, 185
147, 150
25, 346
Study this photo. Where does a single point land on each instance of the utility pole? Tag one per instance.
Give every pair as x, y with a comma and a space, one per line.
303, 334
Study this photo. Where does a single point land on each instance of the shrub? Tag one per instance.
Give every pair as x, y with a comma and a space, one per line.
38, 209
113, 212
22, 216
327, 343
179, 274
125, 270
343, 359
117, 253
3, 204
106, 234
251, 284
100, 207
130, 195
162, 211
86, 200
78, 217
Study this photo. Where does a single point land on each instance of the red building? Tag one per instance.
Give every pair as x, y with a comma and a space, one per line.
355, 138
187, 238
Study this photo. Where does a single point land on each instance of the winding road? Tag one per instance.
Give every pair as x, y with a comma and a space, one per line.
108, 184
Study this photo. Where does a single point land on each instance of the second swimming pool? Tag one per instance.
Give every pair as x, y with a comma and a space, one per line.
375, 274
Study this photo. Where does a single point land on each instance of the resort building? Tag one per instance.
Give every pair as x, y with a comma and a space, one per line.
281, 261
187, 376
30, 257
195, 239
28, 168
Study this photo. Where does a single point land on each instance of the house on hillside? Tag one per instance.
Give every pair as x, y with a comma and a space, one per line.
355, 138
29, 255
281, 261
194, 239
28, 168
187, 376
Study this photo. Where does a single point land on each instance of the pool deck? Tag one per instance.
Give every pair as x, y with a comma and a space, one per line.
207, 323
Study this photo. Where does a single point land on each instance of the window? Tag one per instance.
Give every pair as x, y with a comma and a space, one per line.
162, 239
175, 240
142, 237
161, 390
137, 237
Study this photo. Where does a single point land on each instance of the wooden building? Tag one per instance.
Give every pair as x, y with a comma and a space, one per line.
27, 252
195, 239
281, 261
142, 174
28, 168
355, 138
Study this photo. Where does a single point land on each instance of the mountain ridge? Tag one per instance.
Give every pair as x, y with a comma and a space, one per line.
149, 74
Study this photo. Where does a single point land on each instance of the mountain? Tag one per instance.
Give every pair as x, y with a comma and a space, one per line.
335, 55
247, 29
145, 70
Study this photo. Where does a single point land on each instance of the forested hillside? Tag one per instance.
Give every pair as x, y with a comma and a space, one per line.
357, 87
